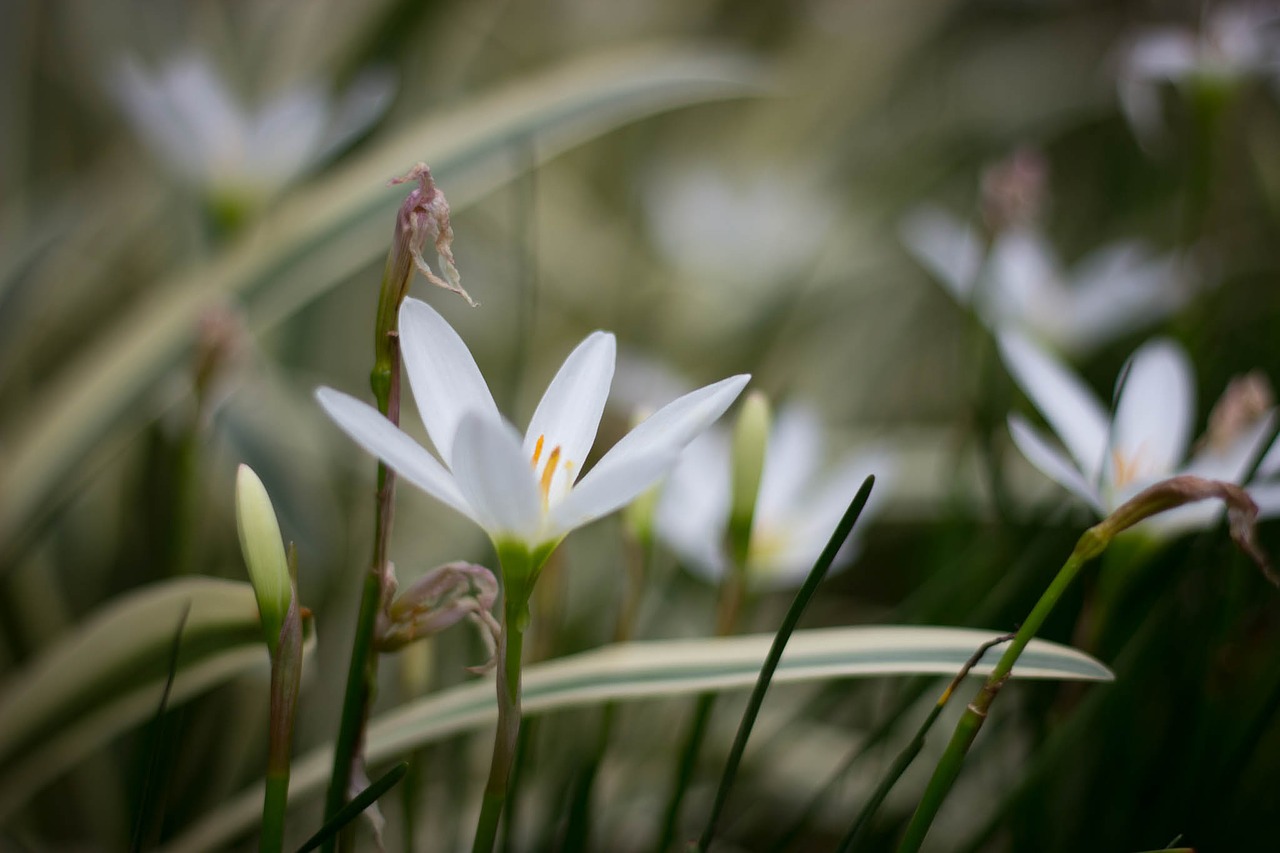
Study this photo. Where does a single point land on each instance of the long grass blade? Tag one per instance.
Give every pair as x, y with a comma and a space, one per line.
356, 806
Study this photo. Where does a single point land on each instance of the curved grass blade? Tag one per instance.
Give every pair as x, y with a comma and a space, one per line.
155, 749
789, 622
326, 232
652, 669
356, 806
109, 674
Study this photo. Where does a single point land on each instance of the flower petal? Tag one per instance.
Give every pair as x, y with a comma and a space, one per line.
1120, 288
1053, 464
795, 445
446, 382
645, 454
494, 475
383, 439
948, 248
1070, 408
693, 510
570, 410
1231, 464
1267, 497
608, 487
679, 422
1153, 415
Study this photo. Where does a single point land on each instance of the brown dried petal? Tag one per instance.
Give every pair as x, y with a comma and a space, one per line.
1242, 512
424, 216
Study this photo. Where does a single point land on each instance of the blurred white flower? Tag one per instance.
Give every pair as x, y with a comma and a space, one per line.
191, 120
801, 500
747, 232
1109, 459
523, 492
1021, 284
1234, 41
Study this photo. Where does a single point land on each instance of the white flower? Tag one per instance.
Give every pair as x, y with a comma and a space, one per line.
796, 511
751, 232
192, 121
1111, 459
1021, 284
1235, 40
522, 491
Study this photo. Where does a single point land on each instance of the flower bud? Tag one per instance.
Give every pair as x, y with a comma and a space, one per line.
438, 600
750, 443
263, 551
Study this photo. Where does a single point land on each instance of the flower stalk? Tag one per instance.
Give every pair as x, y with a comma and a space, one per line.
423, 215
520, 568
1169, 494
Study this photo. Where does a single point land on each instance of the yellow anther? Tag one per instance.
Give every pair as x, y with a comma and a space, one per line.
548, 473
537, 452
1125, 470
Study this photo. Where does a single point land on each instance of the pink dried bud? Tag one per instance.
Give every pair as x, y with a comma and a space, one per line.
425, 216
1242, 514
438, 600
1015, 189
1247, 399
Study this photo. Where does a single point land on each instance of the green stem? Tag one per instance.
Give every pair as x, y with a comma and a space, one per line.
362, 674
515, 616
944, 775
286, 678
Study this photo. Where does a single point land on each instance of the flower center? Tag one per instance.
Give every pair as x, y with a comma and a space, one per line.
1125, 469
553, 463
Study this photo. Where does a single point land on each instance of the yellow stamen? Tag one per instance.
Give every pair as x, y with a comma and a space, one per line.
537, 451
1125, 470
548, 473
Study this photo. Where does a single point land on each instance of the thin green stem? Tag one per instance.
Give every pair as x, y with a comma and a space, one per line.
944, 775
912, 749
515, 616
286, 678
789, 622
362, 674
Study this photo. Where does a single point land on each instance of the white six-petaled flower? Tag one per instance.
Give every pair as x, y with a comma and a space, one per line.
1021, 284
796, 509
523, 491
191, 120
1110, 459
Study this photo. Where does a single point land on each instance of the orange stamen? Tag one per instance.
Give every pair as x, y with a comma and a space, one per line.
548, 473
537, 451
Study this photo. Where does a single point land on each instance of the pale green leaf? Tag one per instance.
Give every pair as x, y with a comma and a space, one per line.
653, 669
108, 674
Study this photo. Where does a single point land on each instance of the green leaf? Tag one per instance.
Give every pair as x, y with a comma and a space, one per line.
333, 228
652, 669
109, 673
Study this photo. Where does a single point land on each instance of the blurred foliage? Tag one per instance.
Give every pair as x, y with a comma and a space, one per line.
717, 225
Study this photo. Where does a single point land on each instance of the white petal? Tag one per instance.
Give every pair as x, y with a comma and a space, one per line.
1154, 412
807, 527
446, 382
1053, 464
679, 422
608, 487
1026, 282
950, 250
1231, 464
1162, 53
217, 125
693, 508
495, 477
363, 102
284, 136
795, 446
1070, 408
383, 439
569, 412
645, 454
1267, 497
1120, 288
1270, 464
